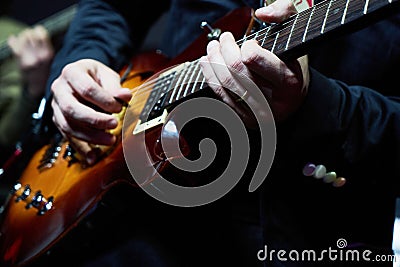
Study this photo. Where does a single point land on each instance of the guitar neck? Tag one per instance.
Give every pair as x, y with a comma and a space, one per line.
54, 24
295, 36
288, 40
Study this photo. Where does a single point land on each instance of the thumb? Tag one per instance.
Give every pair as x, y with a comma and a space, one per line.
276, 12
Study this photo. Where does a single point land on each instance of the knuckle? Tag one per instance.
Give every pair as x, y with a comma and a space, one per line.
290, 78
87, 90
54, 85
227, 82
219, 91
67, 109
67, 69
64, 127
96, 122
236, 65
250, 56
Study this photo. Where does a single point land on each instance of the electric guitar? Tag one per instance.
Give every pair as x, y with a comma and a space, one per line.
54, 24
56, 189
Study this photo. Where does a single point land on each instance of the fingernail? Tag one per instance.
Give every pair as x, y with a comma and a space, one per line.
113, 123
91, 157
126, 90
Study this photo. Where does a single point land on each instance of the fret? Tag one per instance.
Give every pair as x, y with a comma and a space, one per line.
239, 42
345, 12
270, 39
183, 82
283, 37
265, 35
354, 10
366, 7
276, 38
178, 82
326, 16
291, 32
195, 70
299, 30
199, 75
375, 4
315, 23
255, 36
335, 14
202, 83
308, 24
198, 85
196, 81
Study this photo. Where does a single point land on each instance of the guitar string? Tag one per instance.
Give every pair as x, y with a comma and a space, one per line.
264, 34
149, 84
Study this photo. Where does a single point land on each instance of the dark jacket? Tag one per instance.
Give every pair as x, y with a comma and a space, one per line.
350, 120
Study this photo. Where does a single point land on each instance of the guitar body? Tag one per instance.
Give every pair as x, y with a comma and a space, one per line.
56, 190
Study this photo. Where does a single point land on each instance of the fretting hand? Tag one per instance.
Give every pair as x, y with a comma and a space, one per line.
284, 84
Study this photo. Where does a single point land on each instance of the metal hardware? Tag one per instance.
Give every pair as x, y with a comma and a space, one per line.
214, 33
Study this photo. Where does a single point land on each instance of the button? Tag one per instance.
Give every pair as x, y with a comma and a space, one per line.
329, 177
339, 182
320, 171
309, 169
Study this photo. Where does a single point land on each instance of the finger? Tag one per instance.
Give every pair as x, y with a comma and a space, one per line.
222, 78
88, 85
13, 44
263, 62
212, 80
112, 84
41, 33
87, 153
276, 12
93, 136
45, 51
28, 39
81, 147
73, 110
231, 54
218, 89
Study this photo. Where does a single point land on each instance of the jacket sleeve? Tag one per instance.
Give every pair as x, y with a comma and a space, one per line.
107, 31
351, 129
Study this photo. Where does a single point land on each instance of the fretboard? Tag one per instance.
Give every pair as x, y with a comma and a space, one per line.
54, 24
289, 39
327, 18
